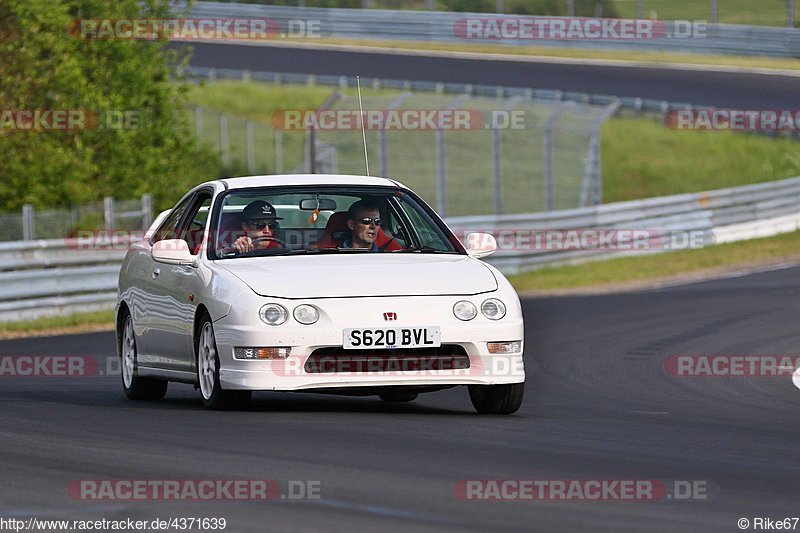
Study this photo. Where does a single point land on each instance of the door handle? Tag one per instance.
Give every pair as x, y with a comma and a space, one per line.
156, 272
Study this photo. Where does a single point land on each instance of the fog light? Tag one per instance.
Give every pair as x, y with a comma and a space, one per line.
261, 353
504, 348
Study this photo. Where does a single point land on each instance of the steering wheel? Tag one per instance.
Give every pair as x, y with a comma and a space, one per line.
260, 239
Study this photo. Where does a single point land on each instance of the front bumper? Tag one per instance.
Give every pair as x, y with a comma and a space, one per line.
291, 374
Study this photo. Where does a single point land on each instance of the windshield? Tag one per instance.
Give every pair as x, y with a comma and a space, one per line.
335, 219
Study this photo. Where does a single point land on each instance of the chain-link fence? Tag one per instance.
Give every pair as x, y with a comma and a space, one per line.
509, 154
109, 215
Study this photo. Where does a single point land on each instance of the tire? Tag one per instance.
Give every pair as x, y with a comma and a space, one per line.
214, 397
136, 388
497, 399
398, 396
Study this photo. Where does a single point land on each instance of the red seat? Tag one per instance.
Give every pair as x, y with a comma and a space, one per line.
336, 232
230, 229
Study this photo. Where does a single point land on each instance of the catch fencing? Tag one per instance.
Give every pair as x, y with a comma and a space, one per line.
537, 150
110, 214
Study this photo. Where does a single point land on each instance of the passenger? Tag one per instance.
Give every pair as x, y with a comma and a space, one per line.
363, 221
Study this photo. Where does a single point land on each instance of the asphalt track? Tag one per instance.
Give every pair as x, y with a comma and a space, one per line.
599, 405
701, 87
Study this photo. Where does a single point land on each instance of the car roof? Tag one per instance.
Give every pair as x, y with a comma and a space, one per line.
306, 179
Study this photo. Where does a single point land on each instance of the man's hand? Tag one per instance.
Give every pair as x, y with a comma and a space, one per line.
243, 244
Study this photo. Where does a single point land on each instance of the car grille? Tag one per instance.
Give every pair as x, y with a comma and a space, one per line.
334, 360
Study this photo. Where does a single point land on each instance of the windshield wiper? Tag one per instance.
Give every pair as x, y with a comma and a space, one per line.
304, 251
423, 250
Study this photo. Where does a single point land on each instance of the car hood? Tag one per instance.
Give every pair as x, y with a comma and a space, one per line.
362, 274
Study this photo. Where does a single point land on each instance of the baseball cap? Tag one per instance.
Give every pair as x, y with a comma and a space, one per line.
260, 210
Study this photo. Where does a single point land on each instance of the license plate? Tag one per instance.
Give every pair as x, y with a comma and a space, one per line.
367, 338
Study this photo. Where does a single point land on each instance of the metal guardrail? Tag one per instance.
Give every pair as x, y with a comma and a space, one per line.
42, 278
433, 26
639, 105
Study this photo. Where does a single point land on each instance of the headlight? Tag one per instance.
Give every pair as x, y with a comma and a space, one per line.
306, 314
273, 314
465, 310
493, 309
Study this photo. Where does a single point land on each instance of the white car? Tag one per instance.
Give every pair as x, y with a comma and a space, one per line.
281, 283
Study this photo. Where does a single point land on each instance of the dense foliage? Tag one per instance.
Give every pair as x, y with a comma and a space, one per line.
130, 86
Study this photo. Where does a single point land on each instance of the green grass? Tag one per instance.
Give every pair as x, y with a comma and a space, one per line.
642, 158
596, 274
757, 13
55, 323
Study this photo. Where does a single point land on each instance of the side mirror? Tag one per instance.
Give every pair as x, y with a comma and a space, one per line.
172, 252
481, 245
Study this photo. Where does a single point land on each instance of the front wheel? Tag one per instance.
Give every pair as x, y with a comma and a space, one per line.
136, 388
214, 397
497, 399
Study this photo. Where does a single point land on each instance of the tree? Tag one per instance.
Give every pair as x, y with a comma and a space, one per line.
133, 135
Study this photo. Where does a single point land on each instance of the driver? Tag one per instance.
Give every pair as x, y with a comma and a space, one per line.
260, 223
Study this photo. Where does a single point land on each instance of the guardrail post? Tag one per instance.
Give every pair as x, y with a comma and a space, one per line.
713, 11
28, 223
278, 151
570, 8
224, 146
640, 9
790, 13
147, 211
108, 214
251, 158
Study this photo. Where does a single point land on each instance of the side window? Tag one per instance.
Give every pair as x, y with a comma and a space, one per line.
169, 227
195, 224
425, 228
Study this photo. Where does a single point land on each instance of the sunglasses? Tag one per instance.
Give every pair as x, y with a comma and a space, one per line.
261, 225
367, 221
